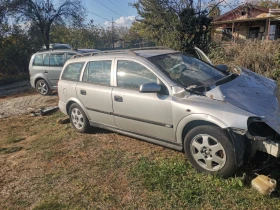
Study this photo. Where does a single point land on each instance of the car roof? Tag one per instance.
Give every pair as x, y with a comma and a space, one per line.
141, 52
152, 53
56, 51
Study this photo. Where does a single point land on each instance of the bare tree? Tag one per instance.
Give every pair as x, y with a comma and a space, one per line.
44, 13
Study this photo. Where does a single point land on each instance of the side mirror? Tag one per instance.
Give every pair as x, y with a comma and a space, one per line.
222, 67
150, 88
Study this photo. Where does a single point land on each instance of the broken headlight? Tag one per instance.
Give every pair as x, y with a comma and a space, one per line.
256, 127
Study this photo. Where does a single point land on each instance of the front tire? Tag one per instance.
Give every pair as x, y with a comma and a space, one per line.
209, 150
43, 88
78, 119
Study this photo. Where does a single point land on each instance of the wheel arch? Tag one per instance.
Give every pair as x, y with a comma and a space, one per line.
71, 101
191, 121
39, 77
188, 127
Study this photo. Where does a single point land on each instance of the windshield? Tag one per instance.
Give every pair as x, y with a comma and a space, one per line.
188, 71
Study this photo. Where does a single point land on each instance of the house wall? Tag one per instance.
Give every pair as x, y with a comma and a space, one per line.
241, 30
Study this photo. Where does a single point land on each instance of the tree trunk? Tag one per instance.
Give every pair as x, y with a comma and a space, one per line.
47, 37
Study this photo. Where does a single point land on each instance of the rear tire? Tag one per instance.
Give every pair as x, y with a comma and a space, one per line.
78, 119
43, 88
209, 150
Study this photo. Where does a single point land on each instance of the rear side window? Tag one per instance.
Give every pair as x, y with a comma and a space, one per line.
56, 60
46, 59
38, 60
68, 56
132, 75
72, 71
98, 72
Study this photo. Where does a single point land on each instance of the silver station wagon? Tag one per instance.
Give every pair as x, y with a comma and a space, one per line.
45, 67
219, 119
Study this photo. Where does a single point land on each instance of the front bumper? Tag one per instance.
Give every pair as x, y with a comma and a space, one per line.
247, 146
268, 146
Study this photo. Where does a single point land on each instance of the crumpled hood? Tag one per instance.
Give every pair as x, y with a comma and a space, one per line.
253, 93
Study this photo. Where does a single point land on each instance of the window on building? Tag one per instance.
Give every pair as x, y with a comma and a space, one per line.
254, 32
227, 34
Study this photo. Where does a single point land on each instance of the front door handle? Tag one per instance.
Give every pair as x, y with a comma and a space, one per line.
46, 72
83, 92
118, 98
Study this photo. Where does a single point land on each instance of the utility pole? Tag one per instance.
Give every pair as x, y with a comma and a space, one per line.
113, 44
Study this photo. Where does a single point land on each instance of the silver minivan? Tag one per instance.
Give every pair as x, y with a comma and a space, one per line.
219, 119
45, 68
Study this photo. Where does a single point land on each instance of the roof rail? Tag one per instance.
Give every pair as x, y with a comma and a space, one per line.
151, 48
55, 49
127, 51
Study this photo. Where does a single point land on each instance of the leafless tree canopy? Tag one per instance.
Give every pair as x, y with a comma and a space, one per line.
43, 13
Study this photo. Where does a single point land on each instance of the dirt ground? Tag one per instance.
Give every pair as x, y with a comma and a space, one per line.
20, 98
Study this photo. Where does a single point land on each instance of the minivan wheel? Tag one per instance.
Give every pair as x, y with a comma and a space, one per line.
43, 88
78, 118
210, 150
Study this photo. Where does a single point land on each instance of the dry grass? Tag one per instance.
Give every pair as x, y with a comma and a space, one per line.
260, 57
57, 168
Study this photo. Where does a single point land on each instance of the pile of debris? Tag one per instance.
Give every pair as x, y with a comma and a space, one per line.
43, 111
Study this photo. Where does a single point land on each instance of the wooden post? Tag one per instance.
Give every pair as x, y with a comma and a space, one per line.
268, 30
232, 29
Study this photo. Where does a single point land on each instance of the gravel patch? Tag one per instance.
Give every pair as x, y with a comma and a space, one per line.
25, 104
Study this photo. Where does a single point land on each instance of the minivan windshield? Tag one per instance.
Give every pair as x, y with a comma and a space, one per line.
186, 70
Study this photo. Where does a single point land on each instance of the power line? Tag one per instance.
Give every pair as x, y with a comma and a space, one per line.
107, 7
118, 7
98, 15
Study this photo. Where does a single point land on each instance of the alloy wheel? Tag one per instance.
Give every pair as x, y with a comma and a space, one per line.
208, 152
77, 118
42, 87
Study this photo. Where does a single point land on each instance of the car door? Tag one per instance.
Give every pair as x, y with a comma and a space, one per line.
149, 114
95, 91
56, 62
202, 55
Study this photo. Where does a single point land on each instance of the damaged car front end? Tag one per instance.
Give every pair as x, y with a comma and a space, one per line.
245, 105
259, 96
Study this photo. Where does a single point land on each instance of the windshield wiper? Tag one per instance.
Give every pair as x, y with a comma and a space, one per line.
195, 92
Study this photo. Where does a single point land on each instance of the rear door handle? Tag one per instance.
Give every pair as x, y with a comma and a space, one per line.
46, 72
83, 92
118, 98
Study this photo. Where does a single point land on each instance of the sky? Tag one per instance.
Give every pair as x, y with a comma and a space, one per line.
102, 11
105, 10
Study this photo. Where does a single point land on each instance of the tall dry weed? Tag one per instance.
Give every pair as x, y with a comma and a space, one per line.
262, 57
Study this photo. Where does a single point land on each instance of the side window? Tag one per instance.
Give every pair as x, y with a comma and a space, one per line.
38, 60
46, 59
69, 55
72, 72
98, 72
132, 75
56, 60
